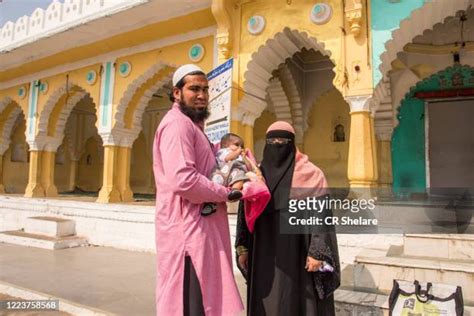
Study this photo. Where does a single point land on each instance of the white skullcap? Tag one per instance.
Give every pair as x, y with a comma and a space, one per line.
183, 71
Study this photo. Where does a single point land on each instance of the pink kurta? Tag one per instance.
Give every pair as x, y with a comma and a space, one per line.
182, 157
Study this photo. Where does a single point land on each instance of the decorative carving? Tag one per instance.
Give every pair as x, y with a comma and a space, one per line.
220, 10
354, 18
125, 68
223, 46
321, 13
256, 24
196, 53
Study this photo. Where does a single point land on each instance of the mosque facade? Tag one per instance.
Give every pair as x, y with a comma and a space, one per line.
379, 92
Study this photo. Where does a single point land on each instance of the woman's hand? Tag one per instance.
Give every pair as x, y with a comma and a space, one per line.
312, 265
243, 261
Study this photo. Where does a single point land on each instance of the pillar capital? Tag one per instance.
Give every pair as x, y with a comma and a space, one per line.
45, 143
244, 116
121, 137
359, 103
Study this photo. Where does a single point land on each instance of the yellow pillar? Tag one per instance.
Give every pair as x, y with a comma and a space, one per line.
109, 193
235, 127
2, 188
385, 163
47, 173
362, 162
72, 175
123, 176
34, 187
247, 135
116, 178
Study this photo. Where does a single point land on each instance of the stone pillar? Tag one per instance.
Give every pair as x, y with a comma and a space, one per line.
362, 162
123, 176
72, 175
109, 193
247, 135
47, 173
35, 187
385, 162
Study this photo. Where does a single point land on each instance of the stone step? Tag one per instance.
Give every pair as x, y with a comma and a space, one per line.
50, 226
376, 274
447, 246
22, 238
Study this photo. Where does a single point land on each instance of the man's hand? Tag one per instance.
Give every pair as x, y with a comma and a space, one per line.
312, 265
243, 261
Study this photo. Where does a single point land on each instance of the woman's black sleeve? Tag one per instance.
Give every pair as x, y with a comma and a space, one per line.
242, 234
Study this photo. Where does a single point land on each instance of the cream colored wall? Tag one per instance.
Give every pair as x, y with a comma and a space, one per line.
328, 111
15, 174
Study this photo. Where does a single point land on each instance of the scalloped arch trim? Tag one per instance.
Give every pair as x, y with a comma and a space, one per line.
421, 19
266, 59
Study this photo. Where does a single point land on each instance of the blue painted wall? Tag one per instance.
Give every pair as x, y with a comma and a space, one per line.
385, 18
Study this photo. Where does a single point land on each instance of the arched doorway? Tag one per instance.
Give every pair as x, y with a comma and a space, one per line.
299, 89
14, 148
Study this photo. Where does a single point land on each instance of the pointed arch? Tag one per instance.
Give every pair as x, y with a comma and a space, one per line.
53, 117
9, 113
420, 20
281, 105
264, 61
134, 87
422, 83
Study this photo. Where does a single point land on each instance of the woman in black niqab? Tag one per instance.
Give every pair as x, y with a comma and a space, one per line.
277, 281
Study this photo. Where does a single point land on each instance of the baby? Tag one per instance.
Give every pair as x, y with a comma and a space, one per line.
231, 170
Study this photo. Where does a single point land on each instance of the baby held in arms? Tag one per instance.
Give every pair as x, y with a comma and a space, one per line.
233, 169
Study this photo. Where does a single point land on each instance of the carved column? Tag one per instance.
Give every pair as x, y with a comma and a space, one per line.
362, 162
35, 187
220, 10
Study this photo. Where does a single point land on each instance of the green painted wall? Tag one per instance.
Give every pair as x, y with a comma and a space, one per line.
408, 140
385, 18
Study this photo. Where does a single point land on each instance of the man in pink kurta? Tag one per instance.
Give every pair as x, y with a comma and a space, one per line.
182, 160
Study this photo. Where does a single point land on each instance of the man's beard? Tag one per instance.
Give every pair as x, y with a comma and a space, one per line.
196, 115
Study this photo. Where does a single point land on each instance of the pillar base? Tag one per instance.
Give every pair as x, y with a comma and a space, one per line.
362, 189
51, 191
127, 195
34, 190
108, 195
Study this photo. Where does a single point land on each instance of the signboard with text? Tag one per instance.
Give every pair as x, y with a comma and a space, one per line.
220, 97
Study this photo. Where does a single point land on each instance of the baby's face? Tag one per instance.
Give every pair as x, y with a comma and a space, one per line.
235, 146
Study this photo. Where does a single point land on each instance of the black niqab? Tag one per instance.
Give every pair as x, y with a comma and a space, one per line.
277, 167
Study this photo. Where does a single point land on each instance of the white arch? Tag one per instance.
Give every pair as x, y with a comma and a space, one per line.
51, 103
132, 89
51, 143
300, 119
8, 129
281, 105
259, 70
424, 18
66, 111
